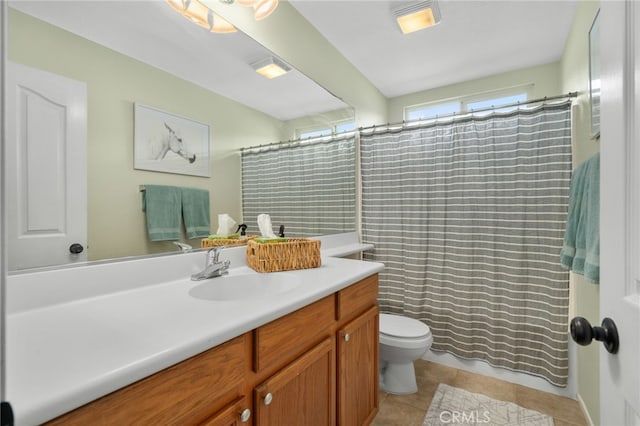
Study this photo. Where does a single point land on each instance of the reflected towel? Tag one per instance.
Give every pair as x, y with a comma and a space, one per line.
162, 206
581, 249
195, 211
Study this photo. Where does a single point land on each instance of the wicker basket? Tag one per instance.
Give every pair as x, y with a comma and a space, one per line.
295, 253
227, 242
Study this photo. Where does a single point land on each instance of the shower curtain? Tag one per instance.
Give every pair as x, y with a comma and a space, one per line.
307, 186
468, 217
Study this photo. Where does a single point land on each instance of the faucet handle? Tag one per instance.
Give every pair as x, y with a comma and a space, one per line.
213, 254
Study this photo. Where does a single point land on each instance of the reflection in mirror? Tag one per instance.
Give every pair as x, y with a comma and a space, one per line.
129, 52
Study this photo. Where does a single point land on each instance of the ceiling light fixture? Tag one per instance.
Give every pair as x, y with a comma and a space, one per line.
200, 14
271, 67
418, 16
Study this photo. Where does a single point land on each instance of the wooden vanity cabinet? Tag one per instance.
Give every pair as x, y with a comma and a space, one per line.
357, 353
235, 414
187, 393
338, 337
315, 366
358, 370
302, 393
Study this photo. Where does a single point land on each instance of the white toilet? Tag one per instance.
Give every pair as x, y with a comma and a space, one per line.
402, 341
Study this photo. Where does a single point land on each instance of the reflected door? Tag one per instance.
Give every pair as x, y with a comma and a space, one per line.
46, 168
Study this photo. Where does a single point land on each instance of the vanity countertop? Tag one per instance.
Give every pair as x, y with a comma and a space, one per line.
63, 355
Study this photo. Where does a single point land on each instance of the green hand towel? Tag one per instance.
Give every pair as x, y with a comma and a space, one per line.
162, 205
195, 211
581, 249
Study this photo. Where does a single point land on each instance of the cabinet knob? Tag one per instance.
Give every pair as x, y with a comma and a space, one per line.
346, 337
268, 398
244, 416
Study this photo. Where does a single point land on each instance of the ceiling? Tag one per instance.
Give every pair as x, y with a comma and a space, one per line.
475, 38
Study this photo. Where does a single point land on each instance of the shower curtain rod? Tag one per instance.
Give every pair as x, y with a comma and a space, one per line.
403, 123
295, 142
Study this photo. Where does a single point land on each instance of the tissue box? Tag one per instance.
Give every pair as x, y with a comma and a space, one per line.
226, 242
295, 253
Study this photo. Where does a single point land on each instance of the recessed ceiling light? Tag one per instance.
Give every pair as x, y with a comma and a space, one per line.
418, 16
271, 67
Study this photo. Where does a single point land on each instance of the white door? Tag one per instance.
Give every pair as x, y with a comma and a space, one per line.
46, 168
620, 209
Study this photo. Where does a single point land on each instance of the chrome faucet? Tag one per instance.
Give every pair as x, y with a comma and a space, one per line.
212, 268
183, 247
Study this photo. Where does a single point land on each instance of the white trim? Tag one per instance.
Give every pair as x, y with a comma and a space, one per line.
585, 412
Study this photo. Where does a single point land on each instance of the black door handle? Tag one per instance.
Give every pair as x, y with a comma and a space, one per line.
76, 248
583, 333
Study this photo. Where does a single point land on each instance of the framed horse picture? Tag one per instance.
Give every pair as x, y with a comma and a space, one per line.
165, 142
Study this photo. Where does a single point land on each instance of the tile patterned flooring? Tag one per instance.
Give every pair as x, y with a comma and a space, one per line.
409, 410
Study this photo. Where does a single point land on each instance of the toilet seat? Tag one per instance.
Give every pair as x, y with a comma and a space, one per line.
403, 327
403, 332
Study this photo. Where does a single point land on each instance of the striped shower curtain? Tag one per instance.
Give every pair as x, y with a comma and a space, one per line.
307, 186
468, 217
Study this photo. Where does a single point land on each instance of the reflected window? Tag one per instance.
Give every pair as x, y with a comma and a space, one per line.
335, 128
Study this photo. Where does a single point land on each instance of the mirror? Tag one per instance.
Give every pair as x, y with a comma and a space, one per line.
144, 52
594, 76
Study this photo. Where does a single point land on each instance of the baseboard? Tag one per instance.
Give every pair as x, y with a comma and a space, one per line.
583, 407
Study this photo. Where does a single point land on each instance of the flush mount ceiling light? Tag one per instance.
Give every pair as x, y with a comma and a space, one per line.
418, 16
271, 67
200, 14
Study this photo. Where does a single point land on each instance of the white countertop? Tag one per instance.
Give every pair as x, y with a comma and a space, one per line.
64, 354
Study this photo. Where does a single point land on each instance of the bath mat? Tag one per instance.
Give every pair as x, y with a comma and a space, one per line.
453, 406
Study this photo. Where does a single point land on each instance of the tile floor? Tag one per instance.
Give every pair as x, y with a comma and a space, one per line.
409, 410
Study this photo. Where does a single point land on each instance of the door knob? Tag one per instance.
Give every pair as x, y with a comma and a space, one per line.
76, 248
583, 333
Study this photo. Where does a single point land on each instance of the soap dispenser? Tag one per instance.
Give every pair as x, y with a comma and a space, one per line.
242, 228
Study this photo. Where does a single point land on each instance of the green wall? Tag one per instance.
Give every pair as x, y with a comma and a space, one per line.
116, 225
585, 298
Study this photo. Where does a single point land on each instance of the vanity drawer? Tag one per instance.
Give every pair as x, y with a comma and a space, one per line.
357, 298
282, 340
186, 393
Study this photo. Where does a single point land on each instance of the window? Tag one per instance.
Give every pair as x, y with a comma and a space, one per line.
505, 100
426, 111
467, 104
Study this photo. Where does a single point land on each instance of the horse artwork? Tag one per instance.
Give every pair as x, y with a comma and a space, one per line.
168, 143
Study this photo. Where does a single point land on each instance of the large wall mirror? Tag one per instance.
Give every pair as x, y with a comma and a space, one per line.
144, 52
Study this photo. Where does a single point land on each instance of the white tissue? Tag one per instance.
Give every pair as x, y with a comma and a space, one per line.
225, 224
264, 224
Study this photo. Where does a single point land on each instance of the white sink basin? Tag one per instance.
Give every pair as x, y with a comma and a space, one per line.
245, 286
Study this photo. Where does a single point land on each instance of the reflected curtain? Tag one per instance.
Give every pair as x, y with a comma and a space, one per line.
308, 187
468, 217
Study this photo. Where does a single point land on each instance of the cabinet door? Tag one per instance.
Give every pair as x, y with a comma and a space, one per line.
302, 393
358, 370
235, 414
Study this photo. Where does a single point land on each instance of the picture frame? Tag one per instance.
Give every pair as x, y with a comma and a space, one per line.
594, 76
168, 143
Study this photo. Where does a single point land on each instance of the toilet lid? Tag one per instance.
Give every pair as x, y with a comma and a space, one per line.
399, 326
